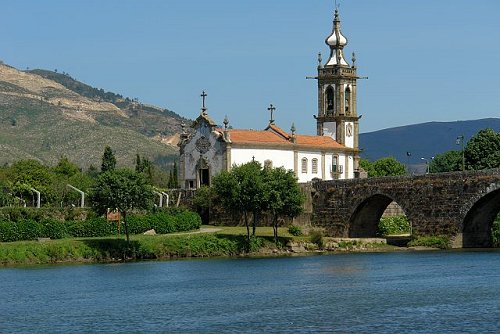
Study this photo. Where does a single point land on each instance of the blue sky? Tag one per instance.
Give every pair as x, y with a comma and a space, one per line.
426, 60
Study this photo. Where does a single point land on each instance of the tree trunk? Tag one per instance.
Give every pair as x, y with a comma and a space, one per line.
126, 227
254, 226
247, 226
275, 228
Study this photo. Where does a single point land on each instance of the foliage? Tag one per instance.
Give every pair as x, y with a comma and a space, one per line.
495, 231
108, 160
163, 222
394, 225
449, 161
65, 168
383, 167
442, 242
282, 195
316, 237
294, 230
122, 189
483, 150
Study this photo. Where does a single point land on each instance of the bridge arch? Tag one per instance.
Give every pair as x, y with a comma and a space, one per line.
477, 224
365, 219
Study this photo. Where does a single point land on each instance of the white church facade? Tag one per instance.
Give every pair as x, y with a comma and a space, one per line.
332, 153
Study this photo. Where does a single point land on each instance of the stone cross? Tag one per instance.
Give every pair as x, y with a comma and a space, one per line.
271, 109
203, 96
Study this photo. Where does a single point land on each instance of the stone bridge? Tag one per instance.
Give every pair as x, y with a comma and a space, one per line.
462, 205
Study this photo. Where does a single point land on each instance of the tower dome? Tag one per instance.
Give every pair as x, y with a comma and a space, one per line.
336, 41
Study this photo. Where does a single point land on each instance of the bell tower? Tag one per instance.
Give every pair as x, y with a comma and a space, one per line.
337, 115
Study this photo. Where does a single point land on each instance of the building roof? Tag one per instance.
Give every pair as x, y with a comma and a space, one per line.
274, 135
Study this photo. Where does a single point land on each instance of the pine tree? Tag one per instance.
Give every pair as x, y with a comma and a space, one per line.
108, 160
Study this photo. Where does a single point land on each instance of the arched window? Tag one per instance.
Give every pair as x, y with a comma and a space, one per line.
329, 100
314, 166
347, 100
304, 165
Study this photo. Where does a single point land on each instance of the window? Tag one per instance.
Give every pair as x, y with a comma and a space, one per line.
330, 100
314, 166
304, 165
335, 163
347, 99
268, 163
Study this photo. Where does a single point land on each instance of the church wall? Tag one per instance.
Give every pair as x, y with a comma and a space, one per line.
279, 158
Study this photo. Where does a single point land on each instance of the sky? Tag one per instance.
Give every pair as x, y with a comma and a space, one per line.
425, 60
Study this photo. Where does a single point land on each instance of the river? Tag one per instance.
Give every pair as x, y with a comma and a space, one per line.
408, 292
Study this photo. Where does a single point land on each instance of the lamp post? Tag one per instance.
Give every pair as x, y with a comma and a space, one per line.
427, 163
460, 141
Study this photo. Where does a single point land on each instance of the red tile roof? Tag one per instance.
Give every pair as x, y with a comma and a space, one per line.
273, 135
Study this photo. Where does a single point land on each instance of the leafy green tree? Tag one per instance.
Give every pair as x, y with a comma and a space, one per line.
449, 161
144, 166
250, 178
367, 166
26, 174
383, 167
123, 189
483, 150
241, 189
108, 160
66, 168
282, 195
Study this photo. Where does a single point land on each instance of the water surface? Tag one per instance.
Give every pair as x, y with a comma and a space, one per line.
360, 293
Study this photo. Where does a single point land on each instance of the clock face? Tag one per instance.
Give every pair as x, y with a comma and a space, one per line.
348, 129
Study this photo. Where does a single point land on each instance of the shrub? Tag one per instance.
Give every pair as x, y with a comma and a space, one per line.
316, 237
8, 231
393, 225
97, 227
294, 230
29, 229
495, 232
54, 229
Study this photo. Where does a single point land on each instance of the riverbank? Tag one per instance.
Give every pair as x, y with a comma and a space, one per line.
208, 242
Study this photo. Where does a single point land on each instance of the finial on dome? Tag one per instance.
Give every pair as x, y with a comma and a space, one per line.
336, 41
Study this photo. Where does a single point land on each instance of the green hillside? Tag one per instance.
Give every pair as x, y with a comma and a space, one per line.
42, 119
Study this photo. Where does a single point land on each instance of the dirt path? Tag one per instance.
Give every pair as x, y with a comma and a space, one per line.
201, 230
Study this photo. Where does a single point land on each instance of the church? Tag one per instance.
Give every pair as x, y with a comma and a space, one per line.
331, 154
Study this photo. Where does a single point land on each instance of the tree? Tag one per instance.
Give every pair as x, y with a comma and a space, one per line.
483, 150
449, 161
383, 167
123, 189
282, 195
241, 189
108, 160
66, 168
144, 166
24, 175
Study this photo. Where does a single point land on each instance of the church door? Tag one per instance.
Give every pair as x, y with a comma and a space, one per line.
204, 176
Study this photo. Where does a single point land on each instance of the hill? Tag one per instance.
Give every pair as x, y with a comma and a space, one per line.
44, 115
423, 140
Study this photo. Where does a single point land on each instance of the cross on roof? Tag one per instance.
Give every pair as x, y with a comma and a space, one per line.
271, 109
203, 96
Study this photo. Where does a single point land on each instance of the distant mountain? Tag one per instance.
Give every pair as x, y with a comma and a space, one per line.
45, 115
423, 140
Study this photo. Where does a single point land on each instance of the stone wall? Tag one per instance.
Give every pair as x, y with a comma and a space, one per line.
435, 204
